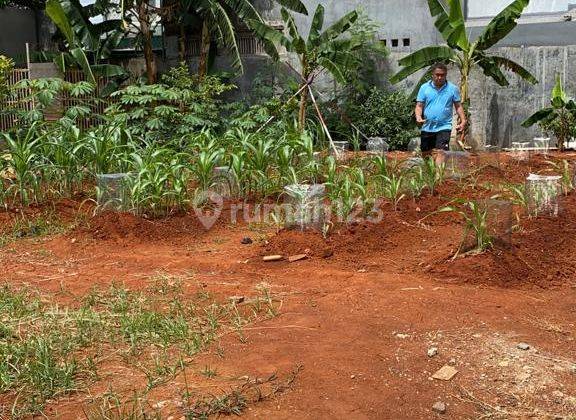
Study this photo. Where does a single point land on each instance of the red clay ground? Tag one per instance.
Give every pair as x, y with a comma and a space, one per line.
358, 316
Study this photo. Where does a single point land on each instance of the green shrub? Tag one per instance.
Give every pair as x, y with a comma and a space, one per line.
6, 66
378, 114
387, 114
181, 104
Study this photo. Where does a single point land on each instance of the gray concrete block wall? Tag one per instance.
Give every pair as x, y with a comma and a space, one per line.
544, 48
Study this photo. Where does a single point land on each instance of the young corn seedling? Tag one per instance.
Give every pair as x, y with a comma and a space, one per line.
433, 174
415, 182
355, 140
361, 188
392, 189
24, 162
567, 180
475, 216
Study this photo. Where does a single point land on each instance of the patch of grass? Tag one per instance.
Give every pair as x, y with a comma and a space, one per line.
48, 350
32, 227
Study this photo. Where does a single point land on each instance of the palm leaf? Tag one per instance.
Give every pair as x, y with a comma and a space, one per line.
425, 77
333, 68
559, 97
501, 25
82, 61
294, 5
222, 23
298, 43
542, 115
422, 58
491, 69
272, 35
442, 22
55, 11
108, 70
457, 38
514, 68
316, 25
337, 29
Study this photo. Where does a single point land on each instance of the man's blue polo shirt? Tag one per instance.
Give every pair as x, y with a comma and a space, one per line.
438, 104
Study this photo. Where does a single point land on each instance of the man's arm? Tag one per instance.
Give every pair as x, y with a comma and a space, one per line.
461, 116
418, 112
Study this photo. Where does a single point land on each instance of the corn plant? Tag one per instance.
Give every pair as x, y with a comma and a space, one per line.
518, 194
433, 174
392, 189
355, 140
237, 166
259, 158
383, 167
107, 148
152, 188
475, 216
64, 169
567, 180
24, 162
203, 167
361, 188
346, 199
415, 182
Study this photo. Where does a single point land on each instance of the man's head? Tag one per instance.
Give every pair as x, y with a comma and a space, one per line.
439, 72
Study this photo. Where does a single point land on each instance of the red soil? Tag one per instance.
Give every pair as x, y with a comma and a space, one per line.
359, 314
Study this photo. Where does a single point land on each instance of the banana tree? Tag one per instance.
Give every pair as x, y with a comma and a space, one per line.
327, 50
559, 118
217, 17
461, 51
89, 44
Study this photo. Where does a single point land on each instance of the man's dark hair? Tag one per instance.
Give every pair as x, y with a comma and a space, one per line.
440, 66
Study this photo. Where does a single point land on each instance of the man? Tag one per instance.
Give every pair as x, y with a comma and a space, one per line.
434, 110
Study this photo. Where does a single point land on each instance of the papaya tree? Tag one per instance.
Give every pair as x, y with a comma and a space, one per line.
329, 49
559, 118
464, 53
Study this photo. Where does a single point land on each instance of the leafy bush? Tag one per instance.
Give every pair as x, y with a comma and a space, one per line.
379, 114
6, 66
386, 114
181, 104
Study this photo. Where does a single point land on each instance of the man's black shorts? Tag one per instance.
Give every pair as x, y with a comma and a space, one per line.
439, 140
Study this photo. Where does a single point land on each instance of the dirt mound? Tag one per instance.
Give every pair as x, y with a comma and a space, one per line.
541, 256
294, 242
406, 241
114, 226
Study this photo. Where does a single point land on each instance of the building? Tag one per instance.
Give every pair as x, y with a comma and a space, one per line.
544, 42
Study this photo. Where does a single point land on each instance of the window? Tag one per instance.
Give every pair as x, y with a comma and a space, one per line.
394, 42
483, 8
383, 41
406, 42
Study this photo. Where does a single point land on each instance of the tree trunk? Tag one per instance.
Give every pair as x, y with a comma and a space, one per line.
302, 111
182, 44
464, 88
304, 94
204, 51
147, 37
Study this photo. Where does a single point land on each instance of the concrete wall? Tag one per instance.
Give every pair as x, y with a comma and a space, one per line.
545, 46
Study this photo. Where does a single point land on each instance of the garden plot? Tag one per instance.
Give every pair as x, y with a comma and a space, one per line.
164, 317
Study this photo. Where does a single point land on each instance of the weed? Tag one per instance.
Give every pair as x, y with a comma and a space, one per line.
209, 372
475, 216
